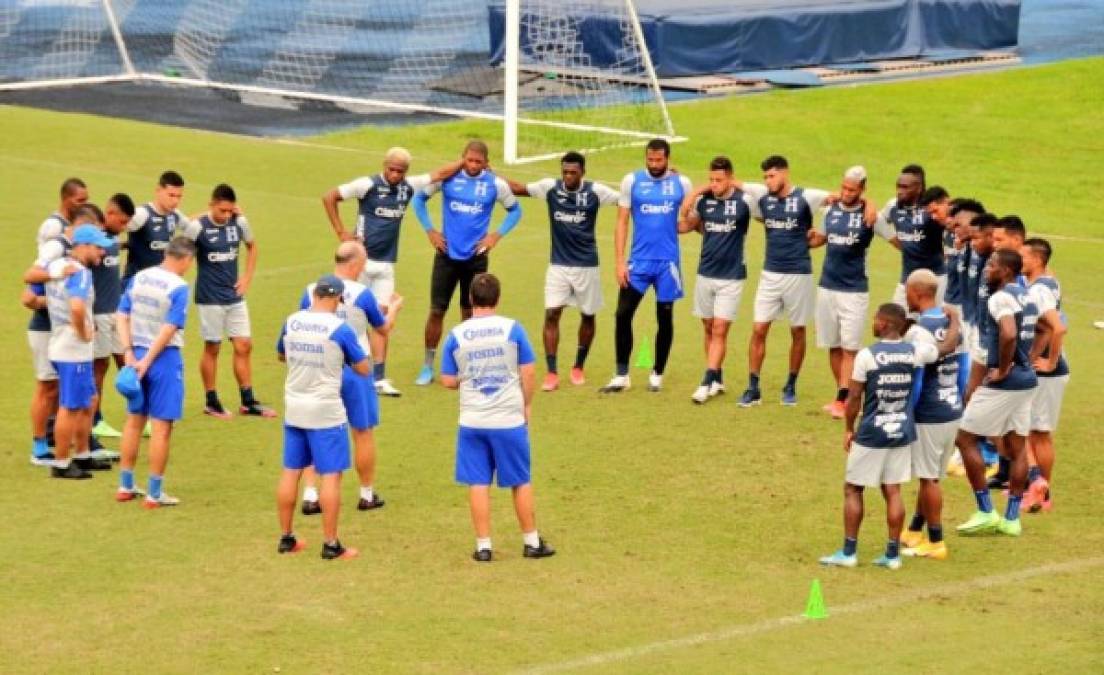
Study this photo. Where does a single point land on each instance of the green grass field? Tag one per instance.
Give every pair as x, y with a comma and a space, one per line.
687, 535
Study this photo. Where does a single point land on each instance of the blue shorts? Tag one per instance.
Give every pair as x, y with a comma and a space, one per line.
358, 393
162, 387
327, 449
480, 453
663, 274
76, 386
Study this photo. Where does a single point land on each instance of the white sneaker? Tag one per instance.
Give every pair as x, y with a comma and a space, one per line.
106, 455
700, 395
619, 383
163, 500
716, 389
124, 495
655, 381
385, 388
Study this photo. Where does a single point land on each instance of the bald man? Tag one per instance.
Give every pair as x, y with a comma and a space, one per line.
382, 200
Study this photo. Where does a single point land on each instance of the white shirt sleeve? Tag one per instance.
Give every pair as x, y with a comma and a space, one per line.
418, 182
190, 229
1043, 297
918, 334
864, 363
815, 198
687, 186
606, 194
887, 210
431, 189
356, 189
541, 188
48, 252
183, 223
1002, 304
884, 229
625, 201
505, 195
753, 192
50, 228
246, 230
926, 352
138, 221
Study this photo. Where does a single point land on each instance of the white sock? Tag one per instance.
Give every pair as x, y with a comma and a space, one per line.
87, 454
483, 544
531, 539
366, 493
310, 494
62, 463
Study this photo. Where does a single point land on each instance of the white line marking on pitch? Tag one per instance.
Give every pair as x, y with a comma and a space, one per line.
768, 625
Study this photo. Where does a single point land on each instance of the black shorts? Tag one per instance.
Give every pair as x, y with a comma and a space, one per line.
447, 273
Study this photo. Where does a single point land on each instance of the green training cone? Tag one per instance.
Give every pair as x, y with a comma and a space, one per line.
814, 608
644, 355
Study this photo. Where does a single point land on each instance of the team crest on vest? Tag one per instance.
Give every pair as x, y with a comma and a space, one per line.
791, 205
731, 208
668, 189
481, 189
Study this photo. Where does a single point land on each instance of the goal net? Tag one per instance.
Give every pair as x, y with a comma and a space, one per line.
557, 74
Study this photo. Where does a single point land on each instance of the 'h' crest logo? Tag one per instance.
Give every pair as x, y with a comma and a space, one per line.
480, 189
791, 205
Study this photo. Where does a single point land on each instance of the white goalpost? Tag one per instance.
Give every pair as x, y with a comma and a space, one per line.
567, 75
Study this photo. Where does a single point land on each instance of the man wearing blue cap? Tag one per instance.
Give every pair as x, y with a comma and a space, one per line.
151, 320
69, 301
317, 344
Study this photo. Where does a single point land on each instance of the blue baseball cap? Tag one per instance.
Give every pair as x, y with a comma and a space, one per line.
128, 384
90, 234
329, 286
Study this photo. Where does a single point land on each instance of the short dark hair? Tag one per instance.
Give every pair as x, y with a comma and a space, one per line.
478, 146
1013, 225
1010, 259
485, 290
935, 193
574, 158
70, 186
721, 163
1041, 247
223, 193
659, 144
916, 170
894, 314
171, 179
90, 211
966, 204
984, 221
123, 202
180, 247
774, 162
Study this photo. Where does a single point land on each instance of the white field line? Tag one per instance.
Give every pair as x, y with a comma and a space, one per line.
770, 625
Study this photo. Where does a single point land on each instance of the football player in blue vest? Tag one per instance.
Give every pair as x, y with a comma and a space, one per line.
464, 242
220, 292
154, 224
572, 277
382, 200
919, 236
74, 193
651, 197
878, 452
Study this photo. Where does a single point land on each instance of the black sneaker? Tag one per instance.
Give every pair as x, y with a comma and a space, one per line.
998, 482
483, 555
311, 508
365, 505
255, 409
289, 544
543, 550
90, 464
336, 551
71, 472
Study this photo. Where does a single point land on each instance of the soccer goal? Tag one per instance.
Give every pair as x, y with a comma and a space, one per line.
557, 74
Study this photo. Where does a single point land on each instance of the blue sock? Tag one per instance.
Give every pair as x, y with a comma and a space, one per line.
1012, 511
126, 479
707, 379
963, 373
378, 371
935, 533
718, 375
791, 381
893, 548
622, 369
850, 545
154, 490
983, 501
39, 447
753, 381
550, 361
917, 523
1034, 473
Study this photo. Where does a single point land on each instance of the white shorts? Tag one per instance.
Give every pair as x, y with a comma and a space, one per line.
932, 449
978, 353
576, 286
39, 340
106, 341
841, 319
994, 412
874, 467
218, 321
379, 277
717, 298
1047, 402
791, 294
899, 297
